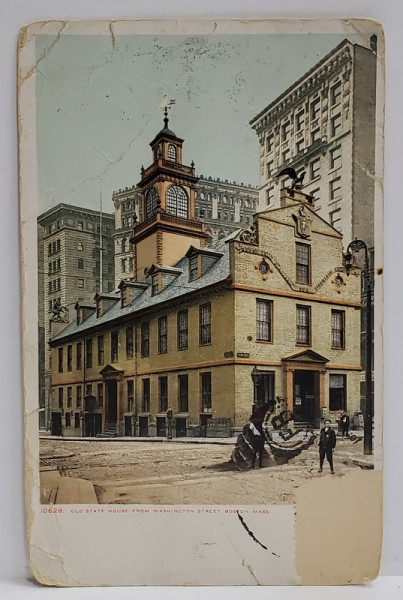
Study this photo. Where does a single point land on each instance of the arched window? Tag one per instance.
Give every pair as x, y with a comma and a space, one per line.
151, 202
172, 152
177, 202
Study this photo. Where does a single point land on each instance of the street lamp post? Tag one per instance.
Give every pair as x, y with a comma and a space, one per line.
354, 247
255, 378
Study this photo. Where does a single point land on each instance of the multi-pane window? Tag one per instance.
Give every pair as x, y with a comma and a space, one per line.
162, 335
206, 391
269, 196
100, 395
182, 330
286, 154
114, 345
145, 403
269, 142
129, 342
335, 93
335, 158
270, 168
183, 393
335, 125
335, 218
100, 349
315, 193
68, 419
130, 395
338, 338
163, 393
315, 136
205, 324
80, 263
177, 202
264, 320
151, 202
60, 397
303, 325
172, 152
69, 397
315, 109
303, 263
285, 130
193, 268
299, 120
315, 168
79, 355
78, 396
88, 389
69, 357
80, 283
337, 392
299, 146
335, 188
60, 360
145, 338
88, 353
76, 420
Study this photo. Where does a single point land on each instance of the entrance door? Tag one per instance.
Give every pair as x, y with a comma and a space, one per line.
203, 425
180, 427
128, 426
305, 396
161, 427
143, 426
56, 423
111, 402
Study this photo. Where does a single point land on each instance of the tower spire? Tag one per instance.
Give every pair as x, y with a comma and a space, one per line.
166, 120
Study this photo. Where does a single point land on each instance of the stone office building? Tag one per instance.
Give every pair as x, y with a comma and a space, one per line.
324, 124
68, 268
187, 333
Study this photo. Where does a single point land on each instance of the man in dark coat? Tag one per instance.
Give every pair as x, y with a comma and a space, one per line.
345, 424
327, 443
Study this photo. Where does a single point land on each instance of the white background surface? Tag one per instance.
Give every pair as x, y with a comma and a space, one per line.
13, 557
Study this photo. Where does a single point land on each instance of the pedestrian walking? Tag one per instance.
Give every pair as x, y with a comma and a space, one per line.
327, 443
345, 424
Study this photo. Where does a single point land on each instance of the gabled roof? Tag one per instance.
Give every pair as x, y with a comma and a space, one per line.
110, 370
163, 269
273, 211
206, 251
141, 285
219, 272
308, 356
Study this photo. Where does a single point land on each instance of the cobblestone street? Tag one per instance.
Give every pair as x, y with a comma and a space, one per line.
135, 472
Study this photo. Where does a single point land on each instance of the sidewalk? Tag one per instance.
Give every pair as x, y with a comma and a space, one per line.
182, 440
66, 490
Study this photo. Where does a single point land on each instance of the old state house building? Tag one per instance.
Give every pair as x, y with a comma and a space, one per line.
172, 350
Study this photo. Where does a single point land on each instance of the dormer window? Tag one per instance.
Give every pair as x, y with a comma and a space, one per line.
100, 308
161, 277
155, 284
200, 261
194, 268
172, 152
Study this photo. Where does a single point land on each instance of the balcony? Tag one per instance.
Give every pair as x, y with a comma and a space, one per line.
168, 164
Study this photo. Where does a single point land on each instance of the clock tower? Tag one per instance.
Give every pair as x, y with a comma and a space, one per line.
169, 226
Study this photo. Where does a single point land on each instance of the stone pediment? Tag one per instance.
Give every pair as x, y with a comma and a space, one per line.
109, 371
307, 356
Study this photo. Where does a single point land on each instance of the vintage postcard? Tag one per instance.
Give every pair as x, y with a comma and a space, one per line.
202, 256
